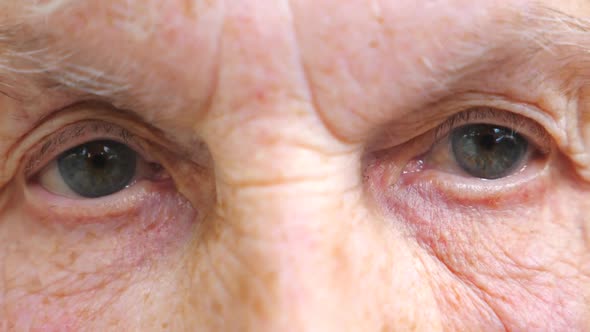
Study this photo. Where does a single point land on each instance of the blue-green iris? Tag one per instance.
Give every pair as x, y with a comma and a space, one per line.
98, 168
488, 151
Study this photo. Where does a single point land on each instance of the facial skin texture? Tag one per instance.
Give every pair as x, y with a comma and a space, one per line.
290, 132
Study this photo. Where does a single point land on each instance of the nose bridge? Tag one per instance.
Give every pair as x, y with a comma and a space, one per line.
263, 128
288, 200
286, 190
291, 195
276, 164
290, 247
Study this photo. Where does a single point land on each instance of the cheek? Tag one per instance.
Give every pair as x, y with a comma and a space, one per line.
150, 225
60, 270
520, 252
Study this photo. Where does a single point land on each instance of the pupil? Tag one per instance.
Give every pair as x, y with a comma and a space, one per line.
487, 142
98, 161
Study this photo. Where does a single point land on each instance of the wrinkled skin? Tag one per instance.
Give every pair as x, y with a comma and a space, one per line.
285, 129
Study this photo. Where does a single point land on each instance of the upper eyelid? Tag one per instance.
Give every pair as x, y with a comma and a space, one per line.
434, 120
75, 134
520, 124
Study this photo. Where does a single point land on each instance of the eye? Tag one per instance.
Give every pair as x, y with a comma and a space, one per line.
484, 143
103, 161
98, 168
488, 151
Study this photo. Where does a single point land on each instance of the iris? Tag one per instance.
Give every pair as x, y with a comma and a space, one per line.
488, 151
98, 168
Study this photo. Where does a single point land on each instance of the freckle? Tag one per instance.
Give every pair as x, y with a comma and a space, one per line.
338, 255
389, 32
73, 257
373, 44
90, 236
216, 307
260, 95
35, 285
189, 9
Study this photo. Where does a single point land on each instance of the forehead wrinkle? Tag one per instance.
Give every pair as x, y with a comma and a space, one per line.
555, 28
563, 42
38, 57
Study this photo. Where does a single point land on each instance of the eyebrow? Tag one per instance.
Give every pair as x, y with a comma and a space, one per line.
52, 70
36, 58
540, 30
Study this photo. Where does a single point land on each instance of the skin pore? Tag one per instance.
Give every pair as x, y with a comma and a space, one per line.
303, 179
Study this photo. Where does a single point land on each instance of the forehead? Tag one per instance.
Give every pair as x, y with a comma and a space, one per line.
192, 7
143, 17
175, 54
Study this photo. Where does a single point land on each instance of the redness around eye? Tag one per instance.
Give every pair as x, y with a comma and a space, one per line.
149, 222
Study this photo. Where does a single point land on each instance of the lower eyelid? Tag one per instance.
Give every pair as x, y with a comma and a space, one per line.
75, 211
119, 232
456, 188
533, 179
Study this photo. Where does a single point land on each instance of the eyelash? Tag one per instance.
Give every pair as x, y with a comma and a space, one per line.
75, 134
390, 168
88, 130
530, 129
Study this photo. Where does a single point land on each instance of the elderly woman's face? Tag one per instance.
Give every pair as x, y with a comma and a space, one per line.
320, 165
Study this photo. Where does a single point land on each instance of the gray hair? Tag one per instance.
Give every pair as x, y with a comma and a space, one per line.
46, 7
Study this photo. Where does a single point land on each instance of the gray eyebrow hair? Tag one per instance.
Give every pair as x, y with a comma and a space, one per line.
53, 69
544, 27
47, 7
37, 59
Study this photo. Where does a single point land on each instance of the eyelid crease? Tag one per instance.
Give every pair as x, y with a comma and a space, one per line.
541, 126
522, 125
75, 134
